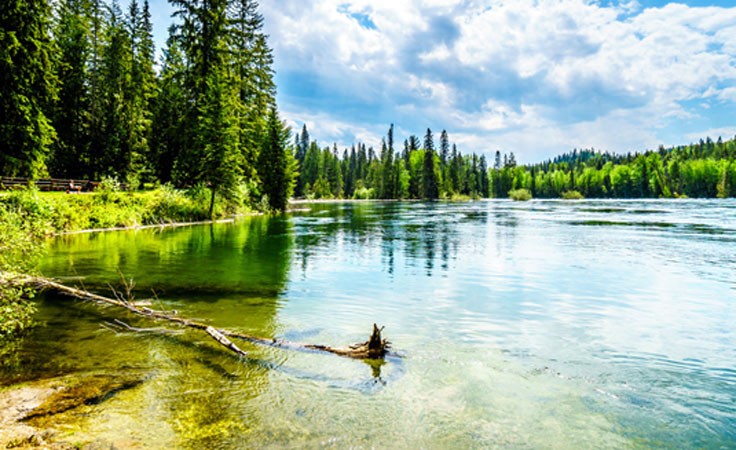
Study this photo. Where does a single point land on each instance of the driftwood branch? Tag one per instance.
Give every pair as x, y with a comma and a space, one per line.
117, 325
227, 343
374, 348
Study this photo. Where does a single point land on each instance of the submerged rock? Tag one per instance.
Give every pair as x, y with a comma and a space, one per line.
87, 390
29, 413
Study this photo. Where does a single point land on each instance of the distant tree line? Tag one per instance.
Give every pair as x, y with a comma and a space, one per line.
81, 97
420, 169
706, 169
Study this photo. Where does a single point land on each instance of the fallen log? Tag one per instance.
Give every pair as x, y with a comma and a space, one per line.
374, 348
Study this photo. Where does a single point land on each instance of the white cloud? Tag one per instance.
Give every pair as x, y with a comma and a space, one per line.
340, 132
713, 133
534, 76
727, 95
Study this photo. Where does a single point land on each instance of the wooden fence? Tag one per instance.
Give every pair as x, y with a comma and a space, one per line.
50, 184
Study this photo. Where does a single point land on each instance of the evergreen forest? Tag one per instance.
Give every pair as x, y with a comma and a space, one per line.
83, 97
706, 169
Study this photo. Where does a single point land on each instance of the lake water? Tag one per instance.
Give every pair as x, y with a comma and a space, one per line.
544, 324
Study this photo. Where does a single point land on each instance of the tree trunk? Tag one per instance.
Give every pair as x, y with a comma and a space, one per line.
212, 200
374, 348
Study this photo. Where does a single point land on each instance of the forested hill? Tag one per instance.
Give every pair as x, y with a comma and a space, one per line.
706, 169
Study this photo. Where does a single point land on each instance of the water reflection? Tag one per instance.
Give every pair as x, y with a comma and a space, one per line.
250, 257
424, 237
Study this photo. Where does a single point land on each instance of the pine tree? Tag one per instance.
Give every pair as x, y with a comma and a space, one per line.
202, 35
387, 154
250, 60
70, 156
112, 155
95, 81
170, 106
141, 89
483, 177
444, 168
302, 145
444, 147
27, 88
430, 189
274, 167
217, 137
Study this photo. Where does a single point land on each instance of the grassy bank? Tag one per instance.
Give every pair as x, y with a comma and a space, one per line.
27, 216
59, 212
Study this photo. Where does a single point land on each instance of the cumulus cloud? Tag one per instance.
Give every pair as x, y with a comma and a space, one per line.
536, 77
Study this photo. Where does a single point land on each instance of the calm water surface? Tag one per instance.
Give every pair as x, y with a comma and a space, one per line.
546, 324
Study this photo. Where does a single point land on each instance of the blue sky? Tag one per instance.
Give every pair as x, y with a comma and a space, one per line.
533, 77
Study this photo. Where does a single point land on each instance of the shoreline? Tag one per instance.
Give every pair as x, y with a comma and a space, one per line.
143, 227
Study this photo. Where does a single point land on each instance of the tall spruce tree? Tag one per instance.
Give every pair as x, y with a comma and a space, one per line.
430, 186
275, 168
141, 90
217, 138
70, 156
250, 60
27, 87
170, 106
302, 145
202, 34
112, 155
388, 187
444, 147
96, 86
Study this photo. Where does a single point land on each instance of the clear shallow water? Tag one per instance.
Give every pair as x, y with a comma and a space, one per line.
546, 324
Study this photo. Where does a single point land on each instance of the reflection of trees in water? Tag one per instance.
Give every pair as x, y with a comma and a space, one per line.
252, 255
424, 234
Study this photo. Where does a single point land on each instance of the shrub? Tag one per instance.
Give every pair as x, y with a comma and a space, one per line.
166, 205
363, 193
520, 195
20, 246
31, 207
572, 195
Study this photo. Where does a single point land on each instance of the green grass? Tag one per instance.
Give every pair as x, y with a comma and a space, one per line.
60, 212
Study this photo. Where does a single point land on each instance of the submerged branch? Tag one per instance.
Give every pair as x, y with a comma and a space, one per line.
118, 324
374, 348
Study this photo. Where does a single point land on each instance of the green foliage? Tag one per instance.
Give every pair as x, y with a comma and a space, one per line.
59, 212
520, 195
71, 113
30, 207
20, 247
413, 173
430, 182
27, 88
274, 164
201, 120
167, 204
221, 165
572, 195
169, 137
703, 170
363, 193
